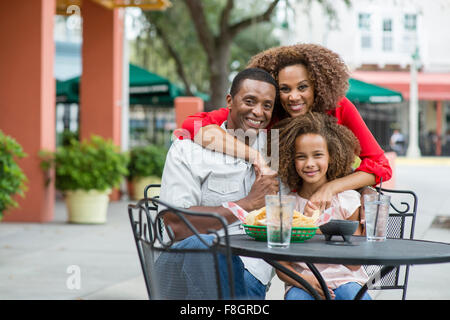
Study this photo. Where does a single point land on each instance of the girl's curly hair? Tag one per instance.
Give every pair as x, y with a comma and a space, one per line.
342, 146
326, 70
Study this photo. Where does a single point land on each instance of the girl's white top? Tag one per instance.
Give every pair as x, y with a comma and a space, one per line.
335, 275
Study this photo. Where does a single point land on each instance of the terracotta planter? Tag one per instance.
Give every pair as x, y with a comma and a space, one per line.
138, 185
88, 207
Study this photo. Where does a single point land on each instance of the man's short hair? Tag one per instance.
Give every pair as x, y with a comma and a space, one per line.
252, 74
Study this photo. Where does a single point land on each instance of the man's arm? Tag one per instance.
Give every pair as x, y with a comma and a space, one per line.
202, 224
263, 186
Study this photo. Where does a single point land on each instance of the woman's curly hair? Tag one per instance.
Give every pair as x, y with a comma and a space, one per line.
342, 146
326, 70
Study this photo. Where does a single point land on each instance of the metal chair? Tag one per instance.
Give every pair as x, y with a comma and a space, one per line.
168, 280
151, 206
149, 188
401, 222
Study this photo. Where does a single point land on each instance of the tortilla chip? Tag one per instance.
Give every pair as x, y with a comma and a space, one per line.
254, 216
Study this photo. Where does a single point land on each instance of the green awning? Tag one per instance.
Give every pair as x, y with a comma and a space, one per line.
67, 91
143, 81
146, 88
364, 92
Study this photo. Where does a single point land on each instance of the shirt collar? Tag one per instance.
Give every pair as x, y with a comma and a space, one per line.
260, 141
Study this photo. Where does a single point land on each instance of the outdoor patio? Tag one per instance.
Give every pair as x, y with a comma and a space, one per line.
35, 257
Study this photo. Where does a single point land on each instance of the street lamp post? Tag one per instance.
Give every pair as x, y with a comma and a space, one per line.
125, 113
413, 147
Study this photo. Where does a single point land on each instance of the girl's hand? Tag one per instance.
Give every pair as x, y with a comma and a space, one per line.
321, 199
310, 208
311, 279
316, 286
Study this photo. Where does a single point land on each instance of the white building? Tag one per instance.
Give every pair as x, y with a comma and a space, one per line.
381, 32
376, 39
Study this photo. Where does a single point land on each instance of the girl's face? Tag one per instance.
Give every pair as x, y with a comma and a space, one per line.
296, 90
311, 158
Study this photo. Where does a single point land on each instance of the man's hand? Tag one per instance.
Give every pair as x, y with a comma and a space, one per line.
263, 185
261, 166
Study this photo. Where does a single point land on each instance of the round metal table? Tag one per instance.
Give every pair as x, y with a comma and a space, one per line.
389, 253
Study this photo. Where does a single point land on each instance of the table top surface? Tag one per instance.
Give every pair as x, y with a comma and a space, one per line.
316, 250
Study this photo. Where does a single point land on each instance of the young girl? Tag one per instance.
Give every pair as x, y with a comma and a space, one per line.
314, 150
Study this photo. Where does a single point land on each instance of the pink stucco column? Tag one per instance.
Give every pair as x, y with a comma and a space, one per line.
186, 106
27, 97
101, 81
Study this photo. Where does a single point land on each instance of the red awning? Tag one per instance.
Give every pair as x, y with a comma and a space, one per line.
432, 86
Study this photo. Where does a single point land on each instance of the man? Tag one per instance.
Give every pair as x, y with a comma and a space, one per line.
202, 180
397, 142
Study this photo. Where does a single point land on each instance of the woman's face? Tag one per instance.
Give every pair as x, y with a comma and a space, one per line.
296, 90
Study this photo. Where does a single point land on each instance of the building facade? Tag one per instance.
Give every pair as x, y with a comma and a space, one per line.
377, 40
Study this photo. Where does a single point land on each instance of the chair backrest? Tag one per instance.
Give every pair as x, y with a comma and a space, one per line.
401, 223
162, 258
151, 188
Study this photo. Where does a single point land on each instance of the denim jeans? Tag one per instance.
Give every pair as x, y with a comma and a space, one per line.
192, 277
346, 291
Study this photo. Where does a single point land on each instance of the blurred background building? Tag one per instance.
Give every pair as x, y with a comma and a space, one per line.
151, 97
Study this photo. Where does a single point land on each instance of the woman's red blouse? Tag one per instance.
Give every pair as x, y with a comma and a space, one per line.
372, 156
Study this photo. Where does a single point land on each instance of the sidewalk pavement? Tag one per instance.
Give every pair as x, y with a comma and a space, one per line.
39, 261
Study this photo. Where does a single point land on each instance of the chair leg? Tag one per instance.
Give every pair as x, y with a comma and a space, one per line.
378, 275
405, 286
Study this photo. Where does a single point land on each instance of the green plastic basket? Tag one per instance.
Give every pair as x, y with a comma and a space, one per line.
298, 234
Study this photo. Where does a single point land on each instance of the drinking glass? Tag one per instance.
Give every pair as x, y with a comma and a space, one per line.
376, 208
279, 220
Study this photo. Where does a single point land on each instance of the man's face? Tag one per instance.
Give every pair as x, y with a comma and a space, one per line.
252, 106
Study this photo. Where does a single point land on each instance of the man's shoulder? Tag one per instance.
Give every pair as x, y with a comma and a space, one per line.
194, 155
184, 147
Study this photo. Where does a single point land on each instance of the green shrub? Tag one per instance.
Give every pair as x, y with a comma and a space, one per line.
146, 161
91, 164
12, 178
67, 136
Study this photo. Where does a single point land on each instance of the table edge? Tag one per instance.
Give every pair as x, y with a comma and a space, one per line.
278, 255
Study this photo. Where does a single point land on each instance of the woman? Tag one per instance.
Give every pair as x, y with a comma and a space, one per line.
310, 77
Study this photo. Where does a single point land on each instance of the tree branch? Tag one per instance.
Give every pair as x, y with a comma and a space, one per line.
225, 17
176, 57
237, 27
205, 35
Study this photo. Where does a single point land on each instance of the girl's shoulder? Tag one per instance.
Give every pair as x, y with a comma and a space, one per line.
349, 194
300, 202
349, 201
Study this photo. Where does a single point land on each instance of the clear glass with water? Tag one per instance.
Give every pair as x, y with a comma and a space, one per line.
279, 220
376, 208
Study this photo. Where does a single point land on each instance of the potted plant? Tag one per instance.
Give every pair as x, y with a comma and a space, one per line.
86, 172
12, 178
145, 167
